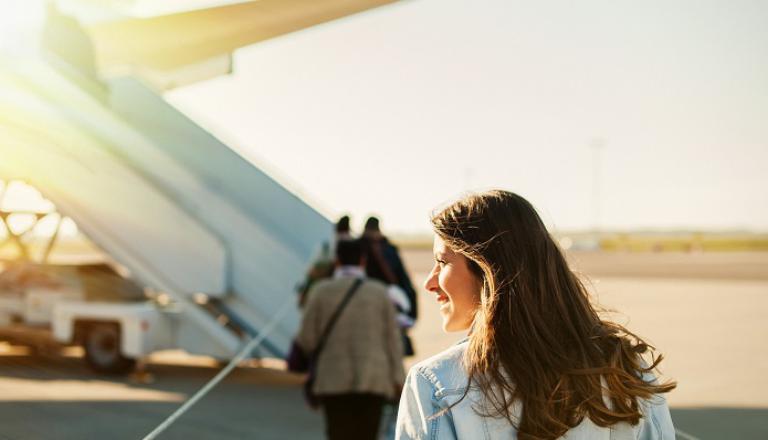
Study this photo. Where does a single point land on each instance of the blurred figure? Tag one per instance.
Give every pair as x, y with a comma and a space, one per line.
323, 265
384, 263
360, 364
343, 232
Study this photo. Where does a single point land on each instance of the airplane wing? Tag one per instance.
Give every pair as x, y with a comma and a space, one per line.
172, 42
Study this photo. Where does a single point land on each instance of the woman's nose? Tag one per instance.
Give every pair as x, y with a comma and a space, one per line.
431, 282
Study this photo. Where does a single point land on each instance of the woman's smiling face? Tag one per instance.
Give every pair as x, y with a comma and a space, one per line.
457, 289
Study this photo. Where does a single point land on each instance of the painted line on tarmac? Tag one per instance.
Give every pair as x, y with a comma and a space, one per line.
246, 351
685, 435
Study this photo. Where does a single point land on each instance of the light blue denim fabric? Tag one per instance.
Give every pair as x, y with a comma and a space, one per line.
436, 383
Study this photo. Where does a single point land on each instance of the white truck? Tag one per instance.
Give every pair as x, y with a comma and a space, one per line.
41, 304
219, 243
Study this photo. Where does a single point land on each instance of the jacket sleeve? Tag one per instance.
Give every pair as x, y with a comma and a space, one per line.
394, 343
656, 423
417, 416
310, 324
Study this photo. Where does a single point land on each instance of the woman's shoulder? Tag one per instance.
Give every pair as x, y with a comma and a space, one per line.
445, 371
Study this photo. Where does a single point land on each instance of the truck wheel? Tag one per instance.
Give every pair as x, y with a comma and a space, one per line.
102, 349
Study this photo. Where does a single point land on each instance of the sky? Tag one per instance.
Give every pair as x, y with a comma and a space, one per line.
617, 115
401, 109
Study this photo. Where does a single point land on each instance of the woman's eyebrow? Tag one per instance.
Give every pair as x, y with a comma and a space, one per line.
440, 255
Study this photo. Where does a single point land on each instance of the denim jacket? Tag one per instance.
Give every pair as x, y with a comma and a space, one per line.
437, 383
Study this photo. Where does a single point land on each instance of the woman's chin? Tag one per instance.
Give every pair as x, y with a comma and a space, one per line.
453, 325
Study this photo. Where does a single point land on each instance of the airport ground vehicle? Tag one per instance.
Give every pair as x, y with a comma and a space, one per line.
43, 303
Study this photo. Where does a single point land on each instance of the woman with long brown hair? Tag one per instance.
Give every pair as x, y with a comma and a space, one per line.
539, 362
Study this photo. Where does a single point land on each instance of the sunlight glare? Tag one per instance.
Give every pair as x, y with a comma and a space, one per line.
19, 24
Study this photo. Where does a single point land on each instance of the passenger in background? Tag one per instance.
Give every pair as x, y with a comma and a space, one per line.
384, 263
323, 265
343, 232
361, 363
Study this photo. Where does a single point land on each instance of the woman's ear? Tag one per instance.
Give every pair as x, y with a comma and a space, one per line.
482, 286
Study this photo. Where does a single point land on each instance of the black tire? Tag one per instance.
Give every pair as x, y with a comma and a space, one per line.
102, 349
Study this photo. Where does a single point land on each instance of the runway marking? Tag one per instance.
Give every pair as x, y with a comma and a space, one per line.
685, 435
246, 351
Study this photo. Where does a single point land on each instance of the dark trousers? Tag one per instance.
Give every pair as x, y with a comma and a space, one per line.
352, 416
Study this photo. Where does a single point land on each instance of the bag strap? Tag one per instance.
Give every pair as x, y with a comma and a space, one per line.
332, 322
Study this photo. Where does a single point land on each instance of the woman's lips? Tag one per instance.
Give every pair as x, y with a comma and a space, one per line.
443, 300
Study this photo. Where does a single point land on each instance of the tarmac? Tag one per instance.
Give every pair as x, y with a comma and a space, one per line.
54, 397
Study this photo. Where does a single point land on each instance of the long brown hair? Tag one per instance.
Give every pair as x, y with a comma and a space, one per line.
536, 338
